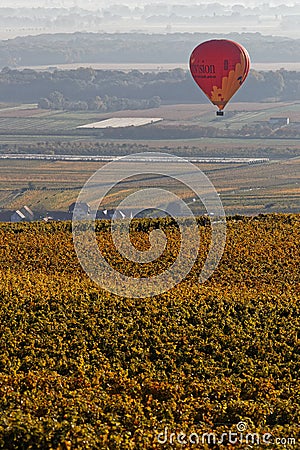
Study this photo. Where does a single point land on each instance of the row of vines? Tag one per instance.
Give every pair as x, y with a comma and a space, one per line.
83, 369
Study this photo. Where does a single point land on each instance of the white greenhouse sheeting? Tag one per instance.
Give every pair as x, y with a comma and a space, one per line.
121, 122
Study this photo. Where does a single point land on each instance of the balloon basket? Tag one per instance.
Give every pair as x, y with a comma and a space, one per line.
220, 113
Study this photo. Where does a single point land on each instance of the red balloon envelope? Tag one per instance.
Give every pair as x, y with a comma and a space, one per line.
219, 67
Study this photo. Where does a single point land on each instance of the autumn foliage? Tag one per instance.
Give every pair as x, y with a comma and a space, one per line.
81, 368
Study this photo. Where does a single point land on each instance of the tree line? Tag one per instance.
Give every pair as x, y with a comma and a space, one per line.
56, 100
111, 90
116, 148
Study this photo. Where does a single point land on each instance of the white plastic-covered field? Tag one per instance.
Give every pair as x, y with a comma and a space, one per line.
121, 122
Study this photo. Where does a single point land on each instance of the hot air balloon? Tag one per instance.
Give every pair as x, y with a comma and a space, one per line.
219, 67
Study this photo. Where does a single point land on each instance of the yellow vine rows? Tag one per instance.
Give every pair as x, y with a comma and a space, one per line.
81, 368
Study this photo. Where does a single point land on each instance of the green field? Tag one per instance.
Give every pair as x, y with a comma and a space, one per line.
25, 123
271, 187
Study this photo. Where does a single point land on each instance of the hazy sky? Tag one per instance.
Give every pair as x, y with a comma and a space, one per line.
95, 4
256, 16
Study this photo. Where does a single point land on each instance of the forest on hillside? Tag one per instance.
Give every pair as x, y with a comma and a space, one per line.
62, 48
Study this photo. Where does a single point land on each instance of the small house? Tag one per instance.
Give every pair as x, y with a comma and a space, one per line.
82, 209
279, 121
23, 214
18, 216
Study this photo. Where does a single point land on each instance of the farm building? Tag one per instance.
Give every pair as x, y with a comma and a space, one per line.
83, 209
107, 214
56, 216
22, 215
18, 216
279, 121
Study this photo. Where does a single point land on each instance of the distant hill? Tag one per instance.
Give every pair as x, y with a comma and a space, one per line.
134, 48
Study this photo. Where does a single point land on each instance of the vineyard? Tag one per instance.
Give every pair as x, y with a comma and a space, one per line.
244, 131
39, 124
83, 369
